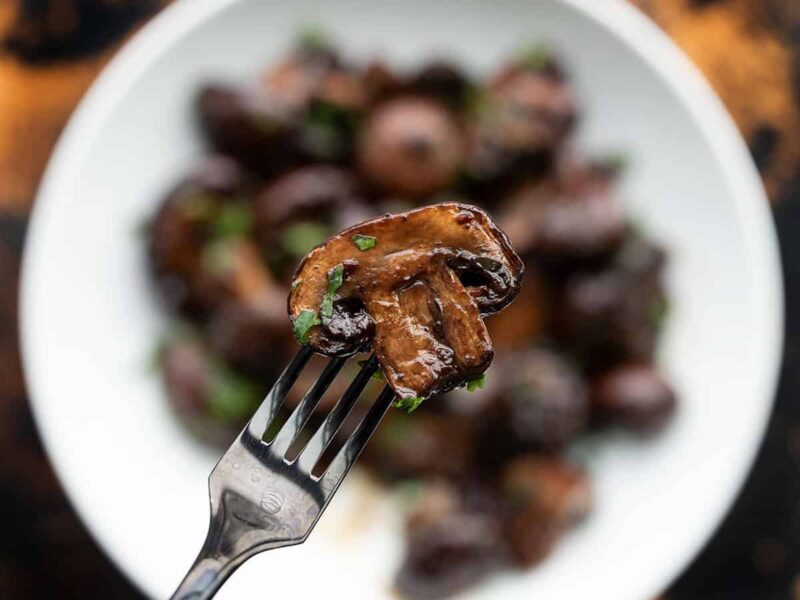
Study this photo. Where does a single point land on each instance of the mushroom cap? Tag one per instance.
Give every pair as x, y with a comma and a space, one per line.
417, 294
411, 145
634, 395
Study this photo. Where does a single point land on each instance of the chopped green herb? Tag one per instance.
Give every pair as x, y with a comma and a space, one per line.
376, 375
476, 384
409, 403
232, 397
332, 116
298, 239
143, 228
156, 359
296, 284
411, 489
660, 309
329, 129
516, 494
197, 205
535, 57
616, 162
364, 242
266, 123
335, 281
312, 37
218, 256
394, 434
234, 220
302, 325
476, 101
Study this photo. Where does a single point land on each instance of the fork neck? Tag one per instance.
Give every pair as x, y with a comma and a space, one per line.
210, 570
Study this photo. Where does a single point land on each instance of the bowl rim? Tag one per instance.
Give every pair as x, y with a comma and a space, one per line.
626, 23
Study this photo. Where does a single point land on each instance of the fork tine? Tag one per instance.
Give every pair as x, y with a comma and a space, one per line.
269, 407
322, 437
355, 444
288, 433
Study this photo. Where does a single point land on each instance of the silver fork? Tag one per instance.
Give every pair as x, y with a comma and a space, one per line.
261, 500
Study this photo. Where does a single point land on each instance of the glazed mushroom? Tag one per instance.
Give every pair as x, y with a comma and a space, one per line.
545, 496
414, 286
614, 315
527, 113
635, 396
410, 146
211, 399
544, 404
258, 131
568, 221
192, 235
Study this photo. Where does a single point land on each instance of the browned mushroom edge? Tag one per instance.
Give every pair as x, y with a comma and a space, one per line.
414, 286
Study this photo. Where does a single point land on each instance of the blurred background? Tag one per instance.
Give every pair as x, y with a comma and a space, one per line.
50, 52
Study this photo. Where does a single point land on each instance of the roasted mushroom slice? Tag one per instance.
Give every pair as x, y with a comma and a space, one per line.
415, 285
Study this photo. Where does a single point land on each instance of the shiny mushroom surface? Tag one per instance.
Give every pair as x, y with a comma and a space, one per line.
414, 285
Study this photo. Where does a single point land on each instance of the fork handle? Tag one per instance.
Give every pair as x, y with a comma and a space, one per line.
211, 568
203, 580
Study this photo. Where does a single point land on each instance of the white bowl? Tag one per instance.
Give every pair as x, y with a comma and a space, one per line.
89, 320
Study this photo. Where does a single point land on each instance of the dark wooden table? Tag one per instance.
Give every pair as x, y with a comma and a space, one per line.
50, 51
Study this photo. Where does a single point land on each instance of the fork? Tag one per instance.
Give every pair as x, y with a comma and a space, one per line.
260, 499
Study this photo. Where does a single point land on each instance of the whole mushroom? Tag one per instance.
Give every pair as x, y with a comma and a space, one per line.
635, 396
261, 133
411, 146
192, 266
544, 496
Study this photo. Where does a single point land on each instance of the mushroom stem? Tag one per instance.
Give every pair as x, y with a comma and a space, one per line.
463, 327
406, 341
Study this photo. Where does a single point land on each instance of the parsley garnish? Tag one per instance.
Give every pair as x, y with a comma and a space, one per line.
298, 239
409, 403
364, 242
312, 37
535, 56
234, 220
232, 397
218, 256
335, 280
303, 323
376, 375
198, 205
477, 383
660, 309
616, 162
